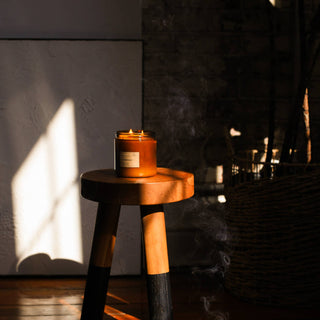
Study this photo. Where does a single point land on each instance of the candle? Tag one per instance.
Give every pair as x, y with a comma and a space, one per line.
135, 153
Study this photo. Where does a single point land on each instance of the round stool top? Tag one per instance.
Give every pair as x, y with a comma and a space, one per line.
165, 187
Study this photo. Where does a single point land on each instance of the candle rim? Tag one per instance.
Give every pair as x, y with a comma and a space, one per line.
123, 134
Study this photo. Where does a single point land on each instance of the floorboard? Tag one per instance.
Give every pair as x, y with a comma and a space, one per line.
193, 298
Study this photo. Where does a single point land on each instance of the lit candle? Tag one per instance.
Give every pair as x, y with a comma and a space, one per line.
136, 153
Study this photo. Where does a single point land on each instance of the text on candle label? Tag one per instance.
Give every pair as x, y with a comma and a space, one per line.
129, 159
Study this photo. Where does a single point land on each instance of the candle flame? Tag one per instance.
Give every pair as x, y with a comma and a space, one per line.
130, 131
142, 132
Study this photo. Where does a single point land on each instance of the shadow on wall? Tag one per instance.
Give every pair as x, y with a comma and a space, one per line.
42, 264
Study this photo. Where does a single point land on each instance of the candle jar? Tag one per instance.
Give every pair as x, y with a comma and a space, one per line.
135, 153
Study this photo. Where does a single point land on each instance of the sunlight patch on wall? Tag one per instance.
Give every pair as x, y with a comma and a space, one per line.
46, 194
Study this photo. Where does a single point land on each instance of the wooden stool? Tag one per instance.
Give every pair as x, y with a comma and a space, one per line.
110, 191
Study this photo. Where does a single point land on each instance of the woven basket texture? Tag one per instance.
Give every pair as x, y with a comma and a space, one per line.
275, 239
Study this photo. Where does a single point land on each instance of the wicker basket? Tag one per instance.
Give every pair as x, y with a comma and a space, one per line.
275, 228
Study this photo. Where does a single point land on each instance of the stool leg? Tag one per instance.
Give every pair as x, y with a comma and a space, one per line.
158, 282
100, 261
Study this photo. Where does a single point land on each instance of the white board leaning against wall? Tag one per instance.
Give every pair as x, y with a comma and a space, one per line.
60, 104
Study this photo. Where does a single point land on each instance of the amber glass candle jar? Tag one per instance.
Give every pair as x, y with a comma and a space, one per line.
135, 153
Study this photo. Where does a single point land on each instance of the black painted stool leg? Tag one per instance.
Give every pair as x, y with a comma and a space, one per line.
158, 281
100, 261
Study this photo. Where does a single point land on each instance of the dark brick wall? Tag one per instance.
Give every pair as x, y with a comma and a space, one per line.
208, 67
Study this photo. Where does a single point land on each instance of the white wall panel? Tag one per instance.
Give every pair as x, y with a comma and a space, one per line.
60, 104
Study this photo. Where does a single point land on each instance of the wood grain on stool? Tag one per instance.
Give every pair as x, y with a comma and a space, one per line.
165, 187
111, 191
105, 234
100, 261
155, 240
158, 281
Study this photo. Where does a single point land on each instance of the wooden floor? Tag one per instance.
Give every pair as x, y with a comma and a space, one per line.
193, 298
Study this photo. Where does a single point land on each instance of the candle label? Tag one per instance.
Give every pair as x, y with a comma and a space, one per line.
129, 159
